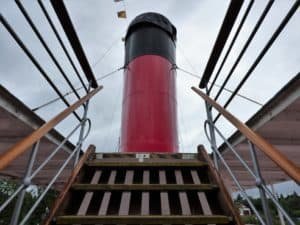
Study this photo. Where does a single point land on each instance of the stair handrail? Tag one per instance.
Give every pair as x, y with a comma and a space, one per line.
290, 168
23, 145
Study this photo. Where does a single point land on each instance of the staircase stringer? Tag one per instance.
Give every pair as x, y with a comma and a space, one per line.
223, 192
60, 200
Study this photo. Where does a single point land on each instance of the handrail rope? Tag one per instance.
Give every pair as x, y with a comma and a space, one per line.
237, 32
44, 10
46, 47
226, 89
21, 146
271, 151
246, 45
71, 92
279, 29
34, 61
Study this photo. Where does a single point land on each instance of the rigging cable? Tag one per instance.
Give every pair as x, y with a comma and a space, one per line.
44, 44
247, 44
262, 53
34, 61
74, 90
237, 32
71, 92
106, 52
44, 10
213, 84
219, 86
83, 86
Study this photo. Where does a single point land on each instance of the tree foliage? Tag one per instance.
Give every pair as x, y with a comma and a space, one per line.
290, 203
7, 188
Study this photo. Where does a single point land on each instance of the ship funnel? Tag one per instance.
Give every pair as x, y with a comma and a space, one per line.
149, 107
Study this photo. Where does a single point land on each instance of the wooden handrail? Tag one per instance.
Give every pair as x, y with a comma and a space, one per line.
273, 153
20, 147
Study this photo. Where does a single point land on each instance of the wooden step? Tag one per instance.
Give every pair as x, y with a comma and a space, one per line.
161, 189
150, 219
99, 163
144, 187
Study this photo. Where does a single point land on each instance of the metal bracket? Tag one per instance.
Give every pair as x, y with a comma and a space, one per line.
142, 156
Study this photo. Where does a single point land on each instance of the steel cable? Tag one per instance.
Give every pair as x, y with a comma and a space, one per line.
282, 25
219, 86
71, 92
61, 42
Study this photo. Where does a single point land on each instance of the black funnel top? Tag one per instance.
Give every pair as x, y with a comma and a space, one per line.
155, 19
150, 34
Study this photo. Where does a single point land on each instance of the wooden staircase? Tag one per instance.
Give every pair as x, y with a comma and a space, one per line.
128, 188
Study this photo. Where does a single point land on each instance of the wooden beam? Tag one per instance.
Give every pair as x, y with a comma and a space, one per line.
166, 219
145, 164
144, 187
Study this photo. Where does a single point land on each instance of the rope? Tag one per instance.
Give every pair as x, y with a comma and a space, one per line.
110, 46
106, 52
71, 92
219, 86
213, 83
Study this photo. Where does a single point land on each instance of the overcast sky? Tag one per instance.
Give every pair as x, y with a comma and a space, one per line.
99, 29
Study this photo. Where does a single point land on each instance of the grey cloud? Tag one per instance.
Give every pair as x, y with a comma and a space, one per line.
97, 25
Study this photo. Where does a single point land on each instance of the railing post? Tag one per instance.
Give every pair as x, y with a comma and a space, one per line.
79, 142
213, 142
281, 218
259, 182
26, 181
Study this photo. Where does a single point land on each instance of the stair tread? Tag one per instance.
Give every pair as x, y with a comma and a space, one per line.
141, 219
162, 189
100, 163
144, 187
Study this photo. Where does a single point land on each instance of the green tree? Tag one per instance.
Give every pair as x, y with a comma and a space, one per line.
7, 187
